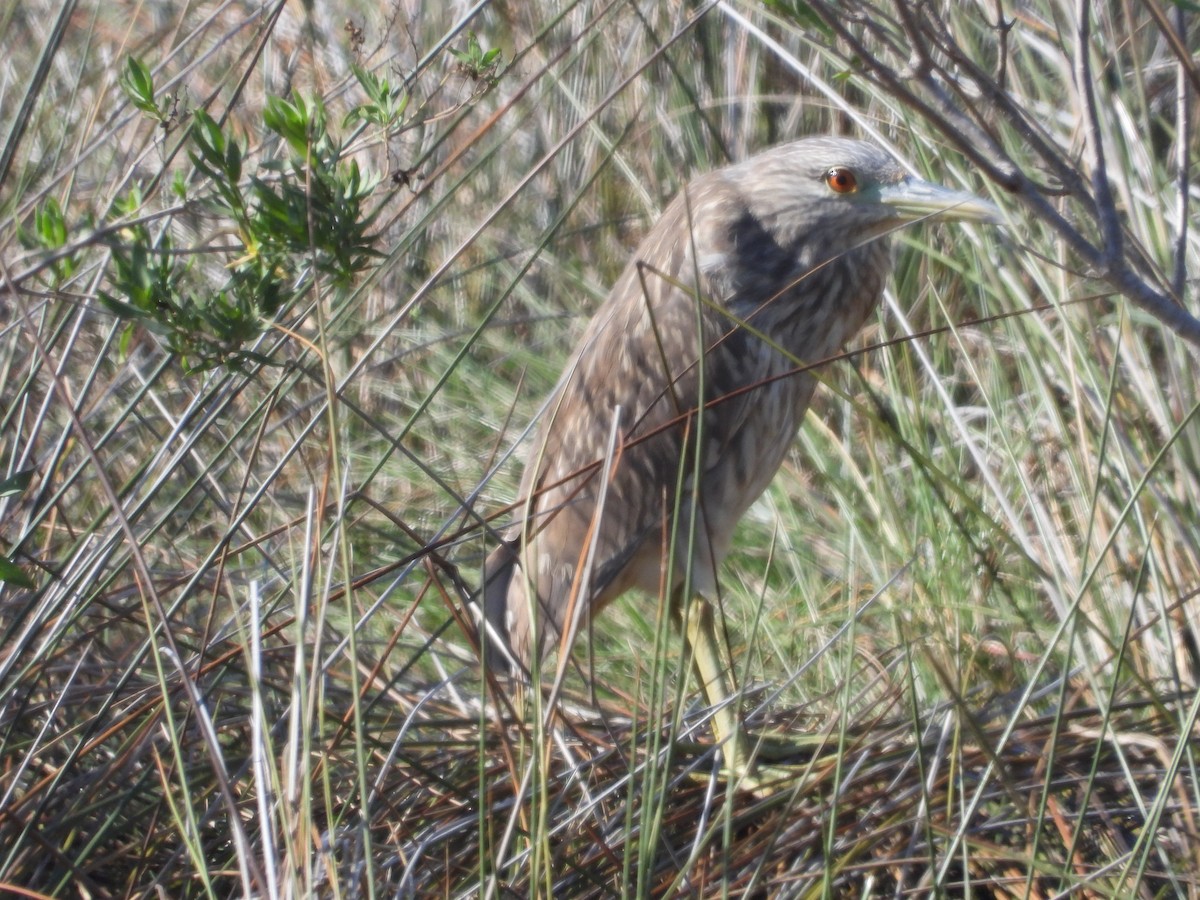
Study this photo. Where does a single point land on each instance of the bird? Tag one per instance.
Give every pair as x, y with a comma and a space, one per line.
686, 392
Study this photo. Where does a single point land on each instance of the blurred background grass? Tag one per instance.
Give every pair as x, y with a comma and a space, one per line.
972, 586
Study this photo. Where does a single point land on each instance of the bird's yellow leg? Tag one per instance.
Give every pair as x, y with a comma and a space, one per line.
715, 680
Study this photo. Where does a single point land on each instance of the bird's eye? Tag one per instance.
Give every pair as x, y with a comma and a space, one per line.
841, 180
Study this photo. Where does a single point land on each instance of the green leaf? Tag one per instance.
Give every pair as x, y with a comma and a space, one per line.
233, 161
11, 573
50, 225
125, 340
16, 483
369, 81
209, 138
293, 121
802, 14
130, 203
475, 61
138, 85
120, 308
387, 103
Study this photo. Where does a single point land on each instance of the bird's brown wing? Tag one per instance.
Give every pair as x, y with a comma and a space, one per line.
639, 355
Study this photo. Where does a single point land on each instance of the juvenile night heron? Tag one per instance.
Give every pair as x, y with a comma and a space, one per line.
688, 386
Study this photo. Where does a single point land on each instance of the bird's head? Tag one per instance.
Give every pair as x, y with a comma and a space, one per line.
840, 189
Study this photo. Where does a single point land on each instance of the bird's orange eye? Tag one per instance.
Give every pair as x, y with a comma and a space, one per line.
841, 180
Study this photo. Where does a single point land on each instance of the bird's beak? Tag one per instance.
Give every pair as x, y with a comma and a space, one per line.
913, 199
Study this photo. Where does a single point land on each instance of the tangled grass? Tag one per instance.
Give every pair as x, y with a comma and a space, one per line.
245, 489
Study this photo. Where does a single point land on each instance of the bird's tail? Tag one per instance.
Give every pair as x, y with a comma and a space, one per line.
499, 569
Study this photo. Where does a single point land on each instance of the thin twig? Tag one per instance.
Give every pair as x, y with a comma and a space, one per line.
1183, 143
